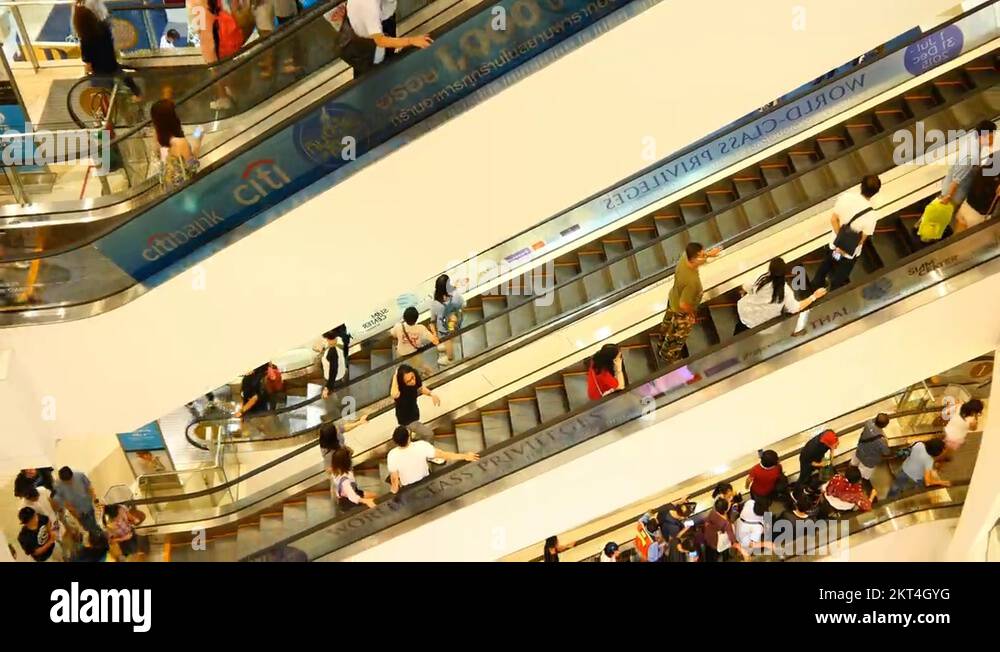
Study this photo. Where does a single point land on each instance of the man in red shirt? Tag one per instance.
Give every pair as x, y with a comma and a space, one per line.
763, 478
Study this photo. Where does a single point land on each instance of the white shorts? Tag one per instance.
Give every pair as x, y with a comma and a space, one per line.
263, 16
866, 471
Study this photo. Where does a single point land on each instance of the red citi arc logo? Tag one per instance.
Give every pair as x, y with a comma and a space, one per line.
260, 177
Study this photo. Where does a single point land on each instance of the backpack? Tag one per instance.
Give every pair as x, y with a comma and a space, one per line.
230, 35
934, 221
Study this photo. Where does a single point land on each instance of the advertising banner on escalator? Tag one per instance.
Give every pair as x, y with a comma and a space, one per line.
373, 112
330, 136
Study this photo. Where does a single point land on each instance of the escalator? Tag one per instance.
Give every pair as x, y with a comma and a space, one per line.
910, 426
553, 409
749, 205
122, 251
301, 138
310, 42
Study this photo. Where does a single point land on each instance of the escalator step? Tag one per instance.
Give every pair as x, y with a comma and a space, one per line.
622, 273
638, 362
496, 427
523, 415
497, 327
596, 282
576, 389
469, 435
247, 540
552, 403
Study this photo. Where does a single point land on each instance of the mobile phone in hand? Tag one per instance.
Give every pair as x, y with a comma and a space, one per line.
198, 131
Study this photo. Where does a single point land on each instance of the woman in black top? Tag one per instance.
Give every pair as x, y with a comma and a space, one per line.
97, 48
406, 387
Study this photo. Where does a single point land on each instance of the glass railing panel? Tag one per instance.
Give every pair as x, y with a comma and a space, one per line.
718, 363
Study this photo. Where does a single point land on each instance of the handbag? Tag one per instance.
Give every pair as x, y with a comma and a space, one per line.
848, 239
723, 543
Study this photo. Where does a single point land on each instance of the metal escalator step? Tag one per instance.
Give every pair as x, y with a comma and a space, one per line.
469, 435
472, 341
319, 506
701, 337
247, 540
576, 389
724, 317
497, 325
651, 260
552, 403
572, 295
381, 357
668, 221
731, 222
596, 282
523, 415
522, 319
270, 522
446, 441
719, 198
623, 272
294, 515
496, 427
638, 362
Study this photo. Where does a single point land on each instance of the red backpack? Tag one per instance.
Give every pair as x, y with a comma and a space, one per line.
230, 34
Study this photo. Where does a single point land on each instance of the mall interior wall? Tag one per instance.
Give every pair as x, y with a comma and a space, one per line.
673, 74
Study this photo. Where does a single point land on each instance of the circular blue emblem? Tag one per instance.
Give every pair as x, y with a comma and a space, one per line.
934, 50
332, 135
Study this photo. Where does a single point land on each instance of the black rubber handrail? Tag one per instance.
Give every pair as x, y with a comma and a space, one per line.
732, 479
483, 357
657, 373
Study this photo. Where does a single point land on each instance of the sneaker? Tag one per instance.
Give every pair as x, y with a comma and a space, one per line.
221, 105
437, 460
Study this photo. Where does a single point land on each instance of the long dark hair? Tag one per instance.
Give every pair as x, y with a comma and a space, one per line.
86, 24
441, 293
165, 122
604, 360
552, 548
776, 272
402, 371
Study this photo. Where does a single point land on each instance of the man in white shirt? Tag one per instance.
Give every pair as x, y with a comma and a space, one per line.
408, 462
854, 211
372, 30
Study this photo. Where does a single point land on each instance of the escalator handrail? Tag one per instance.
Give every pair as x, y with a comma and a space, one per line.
484, 356
574, 413
695, 145
732, 479
656, 374
223, 66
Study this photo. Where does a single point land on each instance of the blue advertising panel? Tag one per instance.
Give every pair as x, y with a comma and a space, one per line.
147, 438
367, 114
370, 114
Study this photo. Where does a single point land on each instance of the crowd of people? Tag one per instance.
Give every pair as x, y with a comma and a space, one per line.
737, 526
61, 518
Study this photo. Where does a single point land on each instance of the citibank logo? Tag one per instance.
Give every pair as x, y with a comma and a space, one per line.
260, 178
161, 244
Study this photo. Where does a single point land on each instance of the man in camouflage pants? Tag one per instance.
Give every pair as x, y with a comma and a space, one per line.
685, 296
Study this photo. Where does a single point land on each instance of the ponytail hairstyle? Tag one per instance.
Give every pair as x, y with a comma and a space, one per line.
441, 293
776, 271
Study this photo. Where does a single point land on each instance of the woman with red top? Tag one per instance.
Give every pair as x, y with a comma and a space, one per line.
604, 373
847, 488
764, 477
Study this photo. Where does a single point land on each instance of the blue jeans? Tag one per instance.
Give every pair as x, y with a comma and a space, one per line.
903, 482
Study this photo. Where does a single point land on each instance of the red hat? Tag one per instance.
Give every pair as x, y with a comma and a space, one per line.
829, 438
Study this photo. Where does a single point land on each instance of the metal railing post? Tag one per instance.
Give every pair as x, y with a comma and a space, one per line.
25, 39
